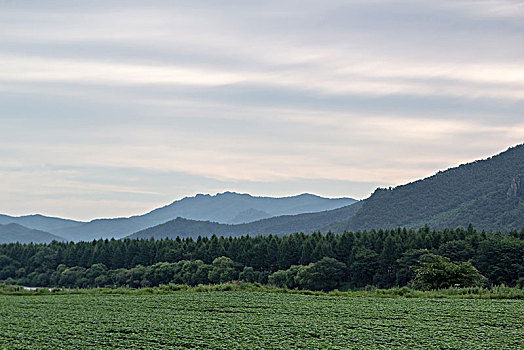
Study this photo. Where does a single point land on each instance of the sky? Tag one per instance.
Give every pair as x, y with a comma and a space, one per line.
113, 108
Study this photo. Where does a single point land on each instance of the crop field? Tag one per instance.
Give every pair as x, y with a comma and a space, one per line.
250, 320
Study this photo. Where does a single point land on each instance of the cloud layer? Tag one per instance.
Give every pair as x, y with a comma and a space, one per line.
111, 109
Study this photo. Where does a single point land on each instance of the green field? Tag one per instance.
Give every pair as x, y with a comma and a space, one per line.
249, 320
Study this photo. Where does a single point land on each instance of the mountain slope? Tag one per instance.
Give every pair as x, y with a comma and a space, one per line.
17, 233
279, 225
250, 215
487, 193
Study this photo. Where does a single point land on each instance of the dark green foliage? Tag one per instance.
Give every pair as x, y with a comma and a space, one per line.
381, 258
437, 272
410, 259
326, 274
364, 266
285, 278
223, 270
487, 193
501, 258
248, 275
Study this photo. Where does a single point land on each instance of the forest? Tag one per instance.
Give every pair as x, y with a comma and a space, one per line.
487, 193
380, 258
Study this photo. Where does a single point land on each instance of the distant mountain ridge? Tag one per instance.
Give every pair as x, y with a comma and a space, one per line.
232, 207
225, 208
11, 233
279, 225
39, 222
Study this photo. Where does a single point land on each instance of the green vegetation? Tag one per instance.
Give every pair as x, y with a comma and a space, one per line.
325, 274
248, 320
496, 292
487, 193
383, 259
437, 272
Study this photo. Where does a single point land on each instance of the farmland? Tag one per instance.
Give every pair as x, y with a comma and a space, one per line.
235, 320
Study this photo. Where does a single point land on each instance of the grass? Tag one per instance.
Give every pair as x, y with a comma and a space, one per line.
495, 292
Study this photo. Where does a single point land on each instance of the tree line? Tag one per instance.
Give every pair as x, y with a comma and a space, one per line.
381, 258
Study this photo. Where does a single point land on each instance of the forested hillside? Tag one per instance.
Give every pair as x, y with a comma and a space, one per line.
381, 258
279, 225
487, 193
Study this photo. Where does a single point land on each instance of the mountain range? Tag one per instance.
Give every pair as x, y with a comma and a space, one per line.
279, 225
487, 193
223, 208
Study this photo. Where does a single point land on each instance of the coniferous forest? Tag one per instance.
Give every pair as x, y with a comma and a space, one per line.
383, 258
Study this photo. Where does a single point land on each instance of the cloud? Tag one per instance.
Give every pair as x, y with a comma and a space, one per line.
487, 8
124, 106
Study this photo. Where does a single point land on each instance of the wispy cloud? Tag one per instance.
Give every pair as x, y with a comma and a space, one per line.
118, 107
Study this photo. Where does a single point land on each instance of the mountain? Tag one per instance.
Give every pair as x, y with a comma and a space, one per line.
231, 207
39, 222
17, 233
279, 225
487, 193
225, 208
250, 215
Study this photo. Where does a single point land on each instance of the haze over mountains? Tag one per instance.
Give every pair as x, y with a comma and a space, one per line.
226, 208
24, 234
278, 225
487, 193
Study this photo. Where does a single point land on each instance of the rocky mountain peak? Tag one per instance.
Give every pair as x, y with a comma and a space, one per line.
515, 188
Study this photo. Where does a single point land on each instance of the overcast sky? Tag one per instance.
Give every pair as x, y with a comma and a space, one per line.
113, 108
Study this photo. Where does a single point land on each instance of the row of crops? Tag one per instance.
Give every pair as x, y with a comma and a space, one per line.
249, 320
